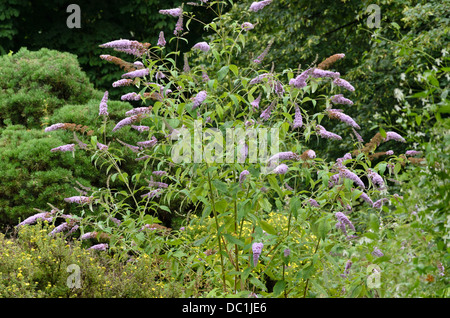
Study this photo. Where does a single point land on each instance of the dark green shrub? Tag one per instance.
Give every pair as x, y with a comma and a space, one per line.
32, 175
38, 83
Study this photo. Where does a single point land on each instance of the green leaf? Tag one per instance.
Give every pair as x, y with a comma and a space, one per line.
322, 292
223, 72
274, 184
255, 281
382, 132
323, 228
234, 69
220, 186
123, 177
200, 241
374, 224
279, 288
381, 259
267, 227
230, 238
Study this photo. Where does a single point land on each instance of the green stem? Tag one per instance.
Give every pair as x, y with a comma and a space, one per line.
217, 226
307, 281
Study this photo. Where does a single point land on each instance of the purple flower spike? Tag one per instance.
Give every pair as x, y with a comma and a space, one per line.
340, 99
247, 26
60, 228
264, 53
79, 199
322, 132
376, 179
99, 247
126, 121
127, 46
332, 113
243, 176
265, 115
161, 39
122, 82
69, 147
300, 81
366, 198
343, 83
317, 73
348, 265
390, 135
54, 127
344, 172
202, 46
103, 108
138, 110
298, 120
177, 12
131, 96
255, 103
88, 235
45, 216
378, 204
286, 155
138, 73
281, 169
256, 6
178, 26
256, 249
148, 143
343, 222
313, 202
102, 146
199, 99
377, 252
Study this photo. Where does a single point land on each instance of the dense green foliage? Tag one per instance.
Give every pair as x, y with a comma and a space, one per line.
38, 83
42, 23
335, 217
386, 65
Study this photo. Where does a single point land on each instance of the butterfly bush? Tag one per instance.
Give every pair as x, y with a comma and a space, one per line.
247, 208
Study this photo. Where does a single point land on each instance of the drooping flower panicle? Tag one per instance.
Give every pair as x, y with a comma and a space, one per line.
177, 12
391, 135
340, 99
345, 173
202, 46
322, 132
332, 113
63, 148
258, 5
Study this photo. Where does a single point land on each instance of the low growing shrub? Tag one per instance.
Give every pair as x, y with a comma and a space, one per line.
38, 83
